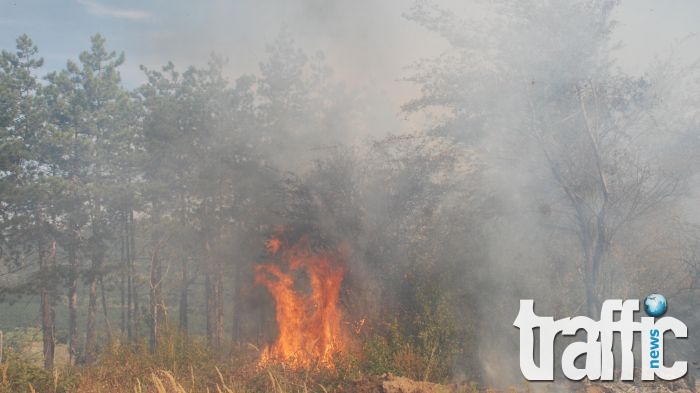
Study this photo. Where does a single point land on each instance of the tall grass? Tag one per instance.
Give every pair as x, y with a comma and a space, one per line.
182, 364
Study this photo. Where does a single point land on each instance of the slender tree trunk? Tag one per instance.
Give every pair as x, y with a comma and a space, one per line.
90, 330
47, 316
105, 313
598, 237
123, 272
209, 283
129, 279
210, 309
219, 322
135, 321
215, 309
594, 247
156, 301
597, 256
73, 261
215, 315
236, 314
132, 296
73, 298
183, 298
213, 287
48, 331
135, 295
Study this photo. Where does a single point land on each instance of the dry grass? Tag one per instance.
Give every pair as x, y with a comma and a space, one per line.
186, 365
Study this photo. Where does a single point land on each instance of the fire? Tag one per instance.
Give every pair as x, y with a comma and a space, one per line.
308, 320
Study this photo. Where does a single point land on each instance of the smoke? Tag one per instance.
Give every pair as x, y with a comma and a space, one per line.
441, 141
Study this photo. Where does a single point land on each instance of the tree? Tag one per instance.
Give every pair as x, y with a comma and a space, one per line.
587, 122
200, 149
575, 148
300, 109
27, 184
90, 105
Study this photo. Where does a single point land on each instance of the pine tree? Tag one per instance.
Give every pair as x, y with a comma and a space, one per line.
91, 108
27, 184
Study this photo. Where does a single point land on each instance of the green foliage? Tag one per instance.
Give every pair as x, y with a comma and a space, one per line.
427, 340
378, 355
20, 372
425, 350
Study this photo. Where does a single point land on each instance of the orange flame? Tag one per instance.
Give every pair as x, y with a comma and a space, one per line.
309, 324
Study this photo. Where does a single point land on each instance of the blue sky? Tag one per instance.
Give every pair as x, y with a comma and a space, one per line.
367, 43
149, 32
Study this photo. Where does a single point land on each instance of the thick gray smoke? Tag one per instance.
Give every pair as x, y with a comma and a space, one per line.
464, 155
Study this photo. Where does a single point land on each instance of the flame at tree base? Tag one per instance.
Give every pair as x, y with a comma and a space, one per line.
309, 322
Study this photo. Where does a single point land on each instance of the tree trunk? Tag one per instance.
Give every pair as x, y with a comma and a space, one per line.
129, 286
105, 313
73, 299
214, 296
183, 298
156, 300
594, 245
47, 315
236, 313
123, 272
211, 320
95, 277
215, 315
132, 301
90, 330
219, 292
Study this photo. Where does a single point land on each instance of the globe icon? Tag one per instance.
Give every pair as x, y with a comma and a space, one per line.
655, 305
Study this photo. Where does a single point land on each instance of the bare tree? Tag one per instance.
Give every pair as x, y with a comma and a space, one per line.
604, 179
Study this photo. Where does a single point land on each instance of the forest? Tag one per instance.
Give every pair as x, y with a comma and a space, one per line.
203, 231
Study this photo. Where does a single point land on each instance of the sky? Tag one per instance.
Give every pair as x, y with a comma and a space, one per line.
367, 43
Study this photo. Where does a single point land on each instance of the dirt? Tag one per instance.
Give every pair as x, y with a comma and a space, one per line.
393, 384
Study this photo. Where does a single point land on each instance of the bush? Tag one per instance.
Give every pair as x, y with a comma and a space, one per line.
426, 339
20, 374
